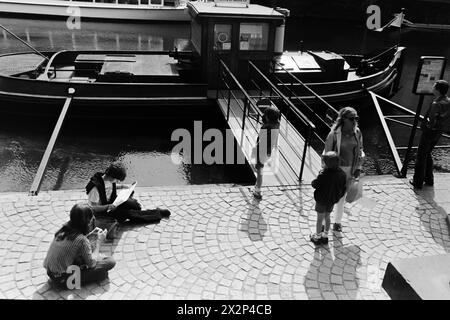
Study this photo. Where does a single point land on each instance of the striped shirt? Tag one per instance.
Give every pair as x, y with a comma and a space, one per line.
63, 253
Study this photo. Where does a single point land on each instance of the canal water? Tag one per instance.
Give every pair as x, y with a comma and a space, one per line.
145, 147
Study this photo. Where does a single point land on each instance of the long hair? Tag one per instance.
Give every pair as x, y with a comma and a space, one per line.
80, 217
343, 113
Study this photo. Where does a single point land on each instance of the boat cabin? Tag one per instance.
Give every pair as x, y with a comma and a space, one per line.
235, 31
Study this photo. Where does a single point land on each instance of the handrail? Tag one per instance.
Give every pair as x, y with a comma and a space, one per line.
400, 167
286, 100
390, 118
245, 103
306, 87
311, 128
304, 104
256, 109
382, 53
50, 61
290, 104
387, 134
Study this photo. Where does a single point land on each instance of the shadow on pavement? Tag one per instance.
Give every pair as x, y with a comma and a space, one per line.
436, 223
253, 223
333, 273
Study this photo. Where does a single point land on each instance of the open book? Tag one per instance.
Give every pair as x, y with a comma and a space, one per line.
124, 194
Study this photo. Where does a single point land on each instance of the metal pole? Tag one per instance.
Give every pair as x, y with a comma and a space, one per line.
243, 115
229, 102
25, 43
400, 27
36, 185
411, 137
305, 147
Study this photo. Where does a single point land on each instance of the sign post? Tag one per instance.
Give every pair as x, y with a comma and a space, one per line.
429, 70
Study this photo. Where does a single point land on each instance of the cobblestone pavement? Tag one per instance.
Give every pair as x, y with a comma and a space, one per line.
220, 243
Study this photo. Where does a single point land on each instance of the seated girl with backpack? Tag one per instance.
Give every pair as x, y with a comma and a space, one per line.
102, 191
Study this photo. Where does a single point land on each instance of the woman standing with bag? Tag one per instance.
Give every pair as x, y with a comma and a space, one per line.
345, 138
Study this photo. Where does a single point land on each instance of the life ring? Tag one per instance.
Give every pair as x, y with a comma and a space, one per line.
222, 37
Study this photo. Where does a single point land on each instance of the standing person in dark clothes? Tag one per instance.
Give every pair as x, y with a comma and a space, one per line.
330, 185
102, 191
71, 247
436, 120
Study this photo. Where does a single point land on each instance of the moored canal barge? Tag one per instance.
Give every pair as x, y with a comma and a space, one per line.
235, 35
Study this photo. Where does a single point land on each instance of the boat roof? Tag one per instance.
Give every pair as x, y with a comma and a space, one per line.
210, 9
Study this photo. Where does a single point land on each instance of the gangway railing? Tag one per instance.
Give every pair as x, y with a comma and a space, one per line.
268, 90
323, 118
404, 114
233, 90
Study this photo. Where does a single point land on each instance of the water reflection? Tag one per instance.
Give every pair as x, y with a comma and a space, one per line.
54, 35
86, 147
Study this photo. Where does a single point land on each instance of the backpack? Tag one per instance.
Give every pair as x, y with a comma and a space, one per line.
443, 116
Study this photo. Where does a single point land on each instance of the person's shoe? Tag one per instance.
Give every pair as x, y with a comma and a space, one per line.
315, 238
416, 186
112, 231
257, 195
164, 213
337, 227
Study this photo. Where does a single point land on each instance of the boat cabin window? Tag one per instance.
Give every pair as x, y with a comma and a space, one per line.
156, 2
253, 36
222, 37
128, 1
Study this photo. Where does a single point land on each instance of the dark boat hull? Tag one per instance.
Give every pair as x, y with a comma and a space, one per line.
43, 94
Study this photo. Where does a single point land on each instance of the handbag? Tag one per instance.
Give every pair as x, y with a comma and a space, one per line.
354, 191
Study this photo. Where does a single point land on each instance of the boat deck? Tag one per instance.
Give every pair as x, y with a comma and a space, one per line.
16, 64
138, 68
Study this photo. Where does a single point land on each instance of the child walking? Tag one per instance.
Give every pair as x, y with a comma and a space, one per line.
330, 186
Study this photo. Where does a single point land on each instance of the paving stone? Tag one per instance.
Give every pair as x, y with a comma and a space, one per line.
227, 253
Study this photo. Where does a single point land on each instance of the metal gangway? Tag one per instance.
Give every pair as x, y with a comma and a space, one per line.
296, 160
